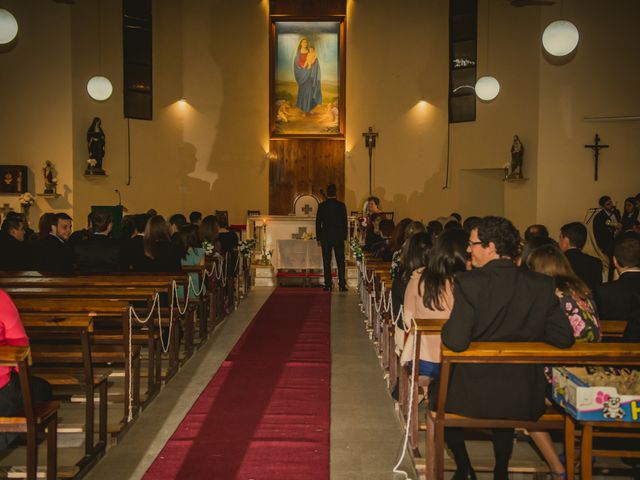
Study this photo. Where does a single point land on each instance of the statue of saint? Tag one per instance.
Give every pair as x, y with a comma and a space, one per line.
96, 143
517, 153
50, 181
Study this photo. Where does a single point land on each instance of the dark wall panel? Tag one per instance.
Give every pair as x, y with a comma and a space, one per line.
301, 166
138, 67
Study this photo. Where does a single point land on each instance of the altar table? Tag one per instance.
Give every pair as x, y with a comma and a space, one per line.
299, 255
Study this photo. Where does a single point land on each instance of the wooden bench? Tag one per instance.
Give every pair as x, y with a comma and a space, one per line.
114, 352
613, 328
519, 353
47, 331
37, 417
104, 308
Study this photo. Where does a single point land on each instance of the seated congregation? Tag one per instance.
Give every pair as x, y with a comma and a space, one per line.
80, 316
479, 281
146, 243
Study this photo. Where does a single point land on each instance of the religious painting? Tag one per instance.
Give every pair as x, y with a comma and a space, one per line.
13, 179
307, 86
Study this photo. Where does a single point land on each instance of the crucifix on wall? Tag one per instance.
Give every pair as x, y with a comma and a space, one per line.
596, 147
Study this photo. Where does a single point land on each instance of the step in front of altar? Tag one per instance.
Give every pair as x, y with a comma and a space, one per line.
263, 276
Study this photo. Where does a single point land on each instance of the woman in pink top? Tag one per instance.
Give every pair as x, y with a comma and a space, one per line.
12, 333
430, 295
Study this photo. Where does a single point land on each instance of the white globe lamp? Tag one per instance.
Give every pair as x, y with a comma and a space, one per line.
99, 88
8, 27
487, 88
560, 38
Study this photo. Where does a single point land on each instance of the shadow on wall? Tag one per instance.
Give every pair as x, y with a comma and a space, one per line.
237, 153
429, 202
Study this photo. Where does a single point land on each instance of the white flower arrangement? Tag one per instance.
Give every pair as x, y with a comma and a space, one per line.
26, 199
92, 162
247, 247
208, 248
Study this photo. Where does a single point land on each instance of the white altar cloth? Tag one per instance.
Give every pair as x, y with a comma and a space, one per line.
299, 255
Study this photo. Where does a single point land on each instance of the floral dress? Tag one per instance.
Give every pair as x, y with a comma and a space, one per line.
582, 315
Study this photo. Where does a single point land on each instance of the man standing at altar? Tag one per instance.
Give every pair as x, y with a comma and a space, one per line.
331, 232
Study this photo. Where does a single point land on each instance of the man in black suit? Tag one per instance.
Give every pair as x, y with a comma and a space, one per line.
573, 237
99, 253
52, 253
620, 299
331, 232
605, 226
498, 302
15, 252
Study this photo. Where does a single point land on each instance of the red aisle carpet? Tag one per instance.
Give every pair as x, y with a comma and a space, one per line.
265, 414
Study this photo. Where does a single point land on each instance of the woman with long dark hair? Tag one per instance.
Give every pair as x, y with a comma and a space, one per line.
430, 295
209, 229
416, 257
161, 255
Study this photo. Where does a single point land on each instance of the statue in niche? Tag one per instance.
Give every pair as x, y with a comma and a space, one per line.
96, 143
50, 181
517, 154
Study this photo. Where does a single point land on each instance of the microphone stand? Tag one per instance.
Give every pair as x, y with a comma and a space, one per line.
588, 216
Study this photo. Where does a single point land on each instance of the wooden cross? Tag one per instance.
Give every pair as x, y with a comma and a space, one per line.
596, 152
307, 209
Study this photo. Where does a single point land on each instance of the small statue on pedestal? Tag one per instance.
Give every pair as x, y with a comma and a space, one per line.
517, 154
96, 143
50, 182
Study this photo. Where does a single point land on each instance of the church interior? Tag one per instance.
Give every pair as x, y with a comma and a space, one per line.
226, 150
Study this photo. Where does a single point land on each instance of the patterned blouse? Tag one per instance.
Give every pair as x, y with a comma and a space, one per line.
582, 315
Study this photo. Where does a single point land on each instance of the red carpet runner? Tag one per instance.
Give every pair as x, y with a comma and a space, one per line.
265, 414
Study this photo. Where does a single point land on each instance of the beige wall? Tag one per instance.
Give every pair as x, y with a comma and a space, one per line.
210, 152
35, 99
601, 80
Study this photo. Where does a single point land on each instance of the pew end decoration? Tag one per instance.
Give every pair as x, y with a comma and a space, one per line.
356, 249
247, 247
208, 248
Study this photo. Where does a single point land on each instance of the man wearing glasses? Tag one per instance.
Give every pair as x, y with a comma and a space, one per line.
498, 302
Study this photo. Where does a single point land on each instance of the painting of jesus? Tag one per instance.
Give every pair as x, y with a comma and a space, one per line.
306, 85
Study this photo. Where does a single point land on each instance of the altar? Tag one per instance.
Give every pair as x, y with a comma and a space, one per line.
268, 230
291, 241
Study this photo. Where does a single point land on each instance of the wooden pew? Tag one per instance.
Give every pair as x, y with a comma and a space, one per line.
408, 397
117, 352
98, 297
43, 332
37, 417
613, 328
128, 294
521, 353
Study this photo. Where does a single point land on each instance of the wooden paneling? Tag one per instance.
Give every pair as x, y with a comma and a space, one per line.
303, 165
308, 8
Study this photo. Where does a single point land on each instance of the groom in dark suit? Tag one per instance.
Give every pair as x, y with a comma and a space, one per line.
331, 232
498, 302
